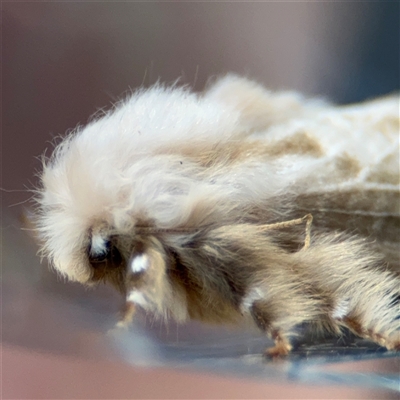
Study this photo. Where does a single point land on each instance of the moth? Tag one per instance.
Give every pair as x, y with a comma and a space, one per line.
234, 202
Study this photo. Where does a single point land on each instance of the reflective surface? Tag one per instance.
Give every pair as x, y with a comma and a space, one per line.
42, 313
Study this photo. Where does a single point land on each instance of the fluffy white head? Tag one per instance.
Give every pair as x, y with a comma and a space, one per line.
120, 170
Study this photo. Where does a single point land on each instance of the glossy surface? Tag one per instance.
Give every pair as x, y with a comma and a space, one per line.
42, 313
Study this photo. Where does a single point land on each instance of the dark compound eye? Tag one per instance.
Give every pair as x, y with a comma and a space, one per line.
107, 263
100, 256
107, 257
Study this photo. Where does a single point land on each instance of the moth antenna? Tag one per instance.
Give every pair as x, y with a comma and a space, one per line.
298, 221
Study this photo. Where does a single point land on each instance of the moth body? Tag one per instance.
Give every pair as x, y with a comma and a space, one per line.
199, 207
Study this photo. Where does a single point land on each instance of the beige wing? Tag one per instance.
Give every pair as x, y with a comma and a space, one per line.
344, 160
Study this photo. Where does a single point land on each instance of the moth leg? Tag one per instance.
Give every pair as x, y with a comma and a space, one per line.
264, 320
393, 344
356, 327
282, 345
286, 224
127, 315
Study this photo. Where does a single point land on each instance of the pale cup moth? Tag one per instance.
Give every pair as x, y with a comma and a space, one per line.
199, 206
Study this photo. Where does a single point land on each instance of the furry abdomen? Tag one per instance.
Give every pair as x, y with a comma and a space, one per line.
238, 270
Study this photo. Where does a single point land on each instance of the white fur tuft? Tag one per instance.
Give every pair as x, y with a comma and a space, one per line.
138, 298
140, 263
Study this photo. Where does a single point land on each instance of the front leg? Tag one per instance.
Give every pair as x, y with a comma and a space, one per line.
127, 315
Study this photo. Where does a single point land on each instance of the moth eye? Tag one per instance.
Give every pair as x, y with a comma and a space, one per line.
100, 255
106, 256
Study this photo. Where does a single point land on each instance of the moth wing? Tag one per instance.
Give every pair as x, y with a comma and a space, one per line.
348, 174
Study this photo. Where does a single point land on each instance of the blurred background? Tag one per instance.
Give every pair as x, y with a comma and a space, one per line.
63, 61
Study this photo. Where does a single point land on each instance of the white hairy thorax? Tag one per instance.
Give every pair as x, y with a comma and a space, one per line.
178, 184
